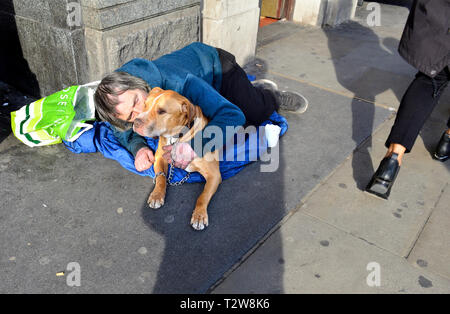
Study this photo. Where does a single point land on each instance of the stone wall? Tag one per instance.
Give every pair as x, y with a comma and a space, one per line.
324, 12
339, 11
45, 52
136, 29
232, 25
38, 55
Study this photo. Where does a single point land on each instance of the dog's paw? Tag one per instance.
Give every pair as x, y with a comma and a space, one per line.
156, 200
199, 220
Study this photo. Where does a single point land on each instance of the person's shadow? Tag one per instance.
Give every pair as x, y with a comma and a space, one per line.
14, 70
369, 81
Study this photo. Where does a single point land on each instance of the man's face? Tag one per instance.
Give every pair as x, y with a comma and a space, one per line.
130, 104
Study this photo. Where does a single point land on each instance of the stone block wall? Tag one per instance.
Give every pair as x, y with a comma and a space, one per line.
38, 51
324, 12
232, 25
118, 30
44, 52
339, 11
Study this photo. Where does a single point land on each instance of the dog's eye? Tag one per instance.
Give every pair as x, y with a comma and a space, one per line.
161, 111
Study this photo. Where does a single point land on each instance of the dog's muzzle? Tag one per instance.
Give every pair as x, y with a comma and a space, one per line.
137, 124
143, 129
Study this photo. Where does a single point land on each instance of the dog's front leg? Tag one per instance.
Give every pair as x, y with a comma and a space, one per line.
156, 199
210, 171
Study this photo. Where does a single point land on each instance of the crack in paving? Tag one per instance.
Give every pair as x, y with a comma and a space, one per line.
426, 221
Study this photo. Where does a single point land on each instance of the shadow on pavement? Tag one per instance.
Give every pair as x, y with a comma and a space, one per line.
371, 82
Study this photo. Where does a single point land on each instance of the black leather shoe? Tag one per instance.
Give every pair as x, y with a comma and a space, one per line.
442, 152
382, 181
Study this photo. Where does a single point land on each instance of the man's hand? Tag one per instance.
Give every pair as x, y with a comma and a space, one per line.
180, 153
144, 159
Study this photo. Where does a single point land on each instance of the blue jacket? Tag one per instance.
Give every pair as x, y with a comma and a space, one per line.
195, 72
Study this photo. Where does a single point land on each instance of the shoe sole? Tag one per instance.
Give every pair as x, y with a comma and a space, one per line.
441, 159
265, 81
376, 195
301, 109
379, 188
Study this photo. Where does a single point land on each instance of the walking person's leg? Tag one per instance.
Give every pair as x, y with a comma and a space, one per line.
416, 106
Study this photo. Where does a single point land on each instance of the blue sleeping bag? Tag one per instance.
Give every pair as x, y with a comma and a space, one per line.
101, 139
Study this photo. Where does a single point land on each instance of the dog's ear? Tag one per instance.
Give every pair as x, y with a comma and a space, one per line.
188, 107
156, 91
152, 94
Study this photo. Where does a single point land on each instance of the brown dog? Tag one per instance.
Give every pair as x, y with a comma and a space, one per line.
166, 114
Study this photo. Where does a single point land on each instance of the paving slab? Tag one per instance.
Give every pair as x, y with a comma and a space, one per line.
354, 58
307, 255
393, 225
432, 250
327, 244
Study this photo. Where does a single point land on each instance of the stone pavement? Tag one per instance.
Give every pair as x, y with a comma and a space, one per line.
307, 227
326, 244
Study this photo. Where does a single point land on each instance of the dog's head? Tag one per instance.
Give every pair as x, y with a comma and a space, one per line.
166, 114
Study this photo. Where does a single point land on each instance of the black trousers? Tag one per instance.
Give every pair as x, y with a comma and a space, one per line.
256, 104
416, 106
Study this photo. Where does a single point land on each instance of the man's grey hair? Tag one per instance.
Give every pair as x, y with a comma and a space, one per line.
105, 97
